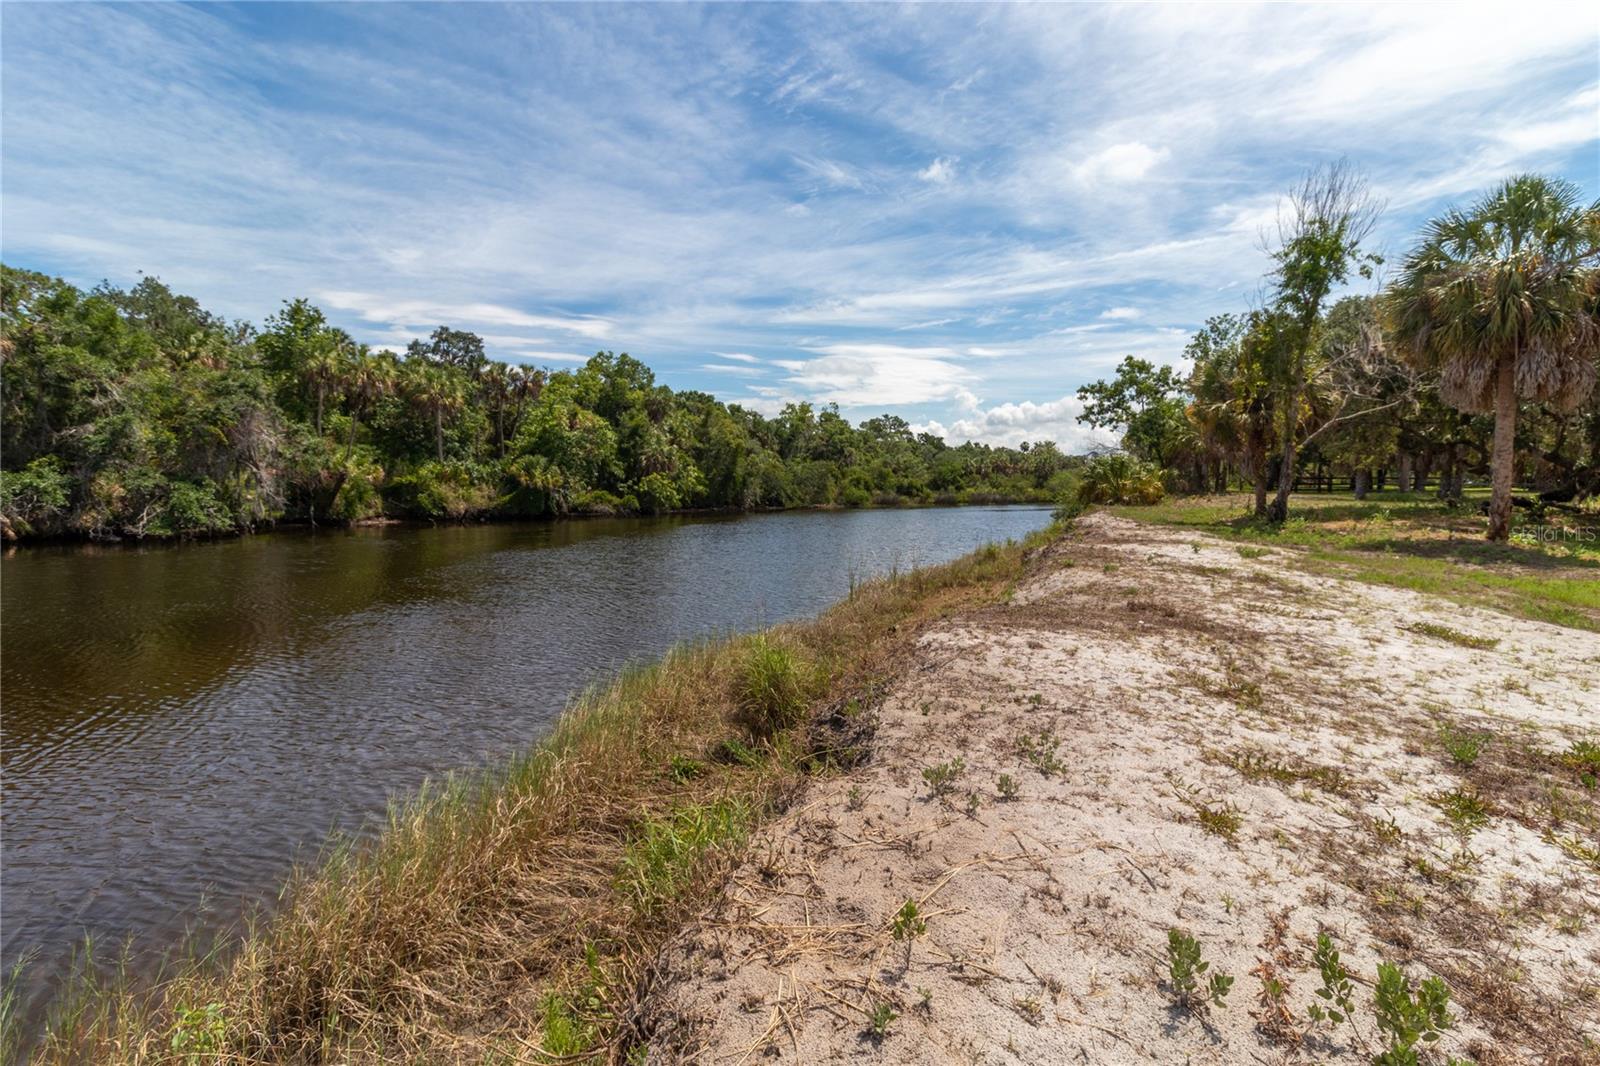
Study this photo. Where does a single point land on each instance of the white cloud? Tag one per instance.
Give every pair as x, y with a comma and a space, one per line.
831, 173
836, 176
1012, 423
725, 368
424, 313
1120, 162
879, 375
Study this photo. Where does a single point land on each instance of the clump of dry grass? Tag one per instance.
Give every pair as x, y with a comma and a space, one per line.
513, 912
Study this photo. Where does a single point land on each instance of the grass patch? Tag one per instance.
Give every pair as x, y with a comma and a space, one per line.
525, 899
1465, 811
1549, 572
1451, 636
664, 856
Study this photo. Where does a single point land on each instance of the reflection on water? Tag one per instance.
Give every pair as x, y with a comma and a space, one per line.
179, 720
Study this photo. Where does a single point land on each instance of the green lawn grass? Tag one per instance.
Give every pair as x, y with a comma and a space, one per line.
1550, 571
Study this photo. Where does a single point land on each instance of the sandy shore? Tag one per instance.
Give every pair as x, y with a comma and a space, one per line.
1158, 732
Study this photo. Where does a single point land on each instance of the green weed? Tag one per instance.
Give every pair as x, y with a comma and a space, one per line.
661, 860
941, 777
1406, 1017
1185, 968
1463, 748
1452, 636
1337, 990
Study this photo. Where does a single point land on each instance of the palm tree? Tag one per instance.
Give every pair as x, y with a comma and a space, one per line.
1504, 299
435, 390
322, 369
368, 378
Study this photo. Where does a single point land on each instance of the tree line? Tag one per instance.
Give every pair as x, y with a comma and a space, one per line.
1478, 358
137, 413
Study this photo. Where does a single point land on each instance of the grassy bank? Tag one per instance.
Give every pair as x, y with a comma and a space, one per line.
513, 916
1550, 571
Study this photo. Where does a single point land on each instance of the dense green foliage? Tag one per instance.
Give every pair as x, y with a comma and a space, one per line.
1391, 388
136, 413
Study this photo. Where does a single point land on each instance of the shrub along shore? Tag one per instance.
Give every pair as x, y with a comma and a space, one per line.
515, 914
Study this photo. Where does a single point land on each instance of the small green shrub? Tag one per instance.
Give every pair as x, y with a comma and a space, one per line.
1007, 787
1185, 968
198, 1033
1068, 511
565, 1031
1337, 991
1583, 756
1408, 1018
908, 922
1463, 748
1465, 810
878, 1022
1040, 750
1120, 479
941, 777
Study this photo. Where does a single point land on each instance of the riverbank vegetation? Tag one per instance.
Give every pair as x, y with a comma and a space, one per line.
137, 413
514, 916
1477, 360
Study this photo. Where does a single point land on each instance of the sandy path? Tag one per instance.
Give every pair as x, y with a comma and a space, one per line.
1198, 740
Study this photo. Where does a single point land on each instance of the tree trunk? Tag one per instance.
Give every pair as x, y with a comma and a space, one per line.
438, 430
1447, 474
1363, 480
1279, 510
321, 389
1504, 457
350, 441
1259, 479
1402, 476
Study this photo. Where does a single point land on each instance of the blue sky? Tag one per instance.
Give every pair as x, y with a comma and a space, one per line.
957, 213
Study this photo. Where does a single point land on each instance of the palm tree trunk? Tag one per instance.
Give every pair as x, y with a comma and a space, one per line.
1504, 456
438, 430
321, 390
350, 440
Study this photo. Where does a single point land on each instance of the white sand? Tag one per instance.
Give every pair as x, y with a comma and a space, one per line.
1047, 915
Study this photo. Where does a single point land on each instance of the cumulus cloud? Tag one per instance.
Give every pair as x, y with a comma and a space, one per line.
1120, 162
1121, 312
938, 172
1012, 423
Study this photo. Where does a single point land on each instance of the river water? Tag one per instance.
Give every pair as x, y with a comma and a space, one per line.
181, 723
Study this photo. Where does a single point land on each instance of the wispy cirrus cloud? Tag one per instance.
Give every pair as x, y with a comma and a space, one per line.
875, 206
